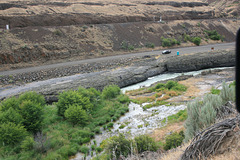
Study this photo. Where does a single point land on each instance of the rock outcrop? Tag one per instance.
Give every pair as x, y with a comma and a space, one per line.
138, 72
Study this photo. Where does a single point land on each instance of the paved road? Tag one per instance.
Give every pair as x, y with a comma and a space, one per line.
184, 50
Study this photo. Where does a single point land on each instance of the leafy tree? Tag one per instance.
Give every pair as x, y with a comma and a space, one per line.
11, 133
68, 98
32, 96
11, 116
111, 91
32, 114
76, 115
9, 103
196, 40
145, 143
91, 93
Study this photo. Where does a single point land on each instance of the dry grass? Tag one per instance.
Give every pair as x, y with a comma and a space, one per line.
165, 97
174, 154
160, 134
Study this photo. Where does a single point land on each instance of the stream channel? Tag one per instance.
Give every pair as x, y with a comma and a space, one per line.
138, 121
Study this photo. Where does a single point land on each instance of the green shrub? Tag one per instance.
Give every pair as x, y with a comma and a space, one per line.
201, 114
124, 45
110, 125
91, 93
131, 47
118, 145
192, 123
111, 91
32, 96
9, 103
99, 149
68, 98
167, 42
196, 40
32, 114
28, 143
145, 143
186, 38
76, 115
84, 149
11, 133
227, 93
93, 147
171, 84
97, 130
174, 140
159, 85
11, 115
215, 91
214, 35
150, 45
180, 116
122, 126
122, 98
207, 115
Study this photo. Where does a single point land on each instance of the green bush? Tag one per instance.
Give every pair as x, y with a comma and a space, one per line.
97, 130
167, 42
32, 96
180, 116
202, 114
110, 125
9, 103
145, 143
68, 98
32, 114
91, 93
111, 91
215, 91
11, 133
11, 116
186, 38
118, 145
84, 149
170, 84
124, 45
227, 93
131, 47
196, 40
122, 98
28, 143
76, 115
174, 140
150, 45
214, 35
159, 85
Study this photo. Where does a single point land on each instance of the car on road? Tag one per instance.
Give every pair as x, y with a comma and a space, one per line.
166, 52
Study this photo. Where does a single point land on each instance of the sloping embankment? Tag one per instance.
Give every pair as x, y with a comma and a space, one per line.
136, 73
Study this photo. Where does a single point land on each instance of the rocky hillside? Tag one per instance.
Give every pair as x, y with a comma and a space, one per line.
37, 45
24, 13
48, 32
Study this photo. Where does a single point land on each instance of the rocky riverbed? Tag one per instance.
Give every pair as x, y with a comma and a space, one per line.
122, 72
